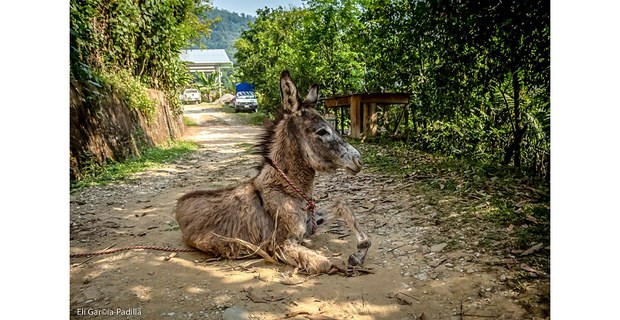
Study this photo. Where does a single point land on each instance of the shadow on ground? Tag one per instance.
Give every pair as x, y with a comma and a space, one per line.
405, 223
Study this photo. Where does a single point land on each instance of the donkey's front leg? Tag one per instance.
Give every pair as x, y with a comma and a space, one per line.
341, 210
299, 256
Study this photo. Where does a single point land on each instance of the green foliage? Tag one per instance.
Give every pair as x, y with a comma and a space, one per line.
133, 92
189, 122
317, 45
141, 38
263, 50
478, 73
150, 158
207, 84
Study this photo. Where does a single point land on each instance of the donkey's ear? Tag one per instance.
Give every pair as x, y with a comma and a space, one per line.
288, 90
313, 95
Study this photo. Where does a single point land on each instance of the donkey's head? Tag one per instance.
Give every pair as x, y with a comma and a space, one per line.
320, 146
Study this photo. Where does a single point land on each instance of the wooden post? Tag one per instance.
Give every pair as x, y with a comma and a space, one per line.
336, 119
398, 121
370, 119
365, 119
355, 116
373, 119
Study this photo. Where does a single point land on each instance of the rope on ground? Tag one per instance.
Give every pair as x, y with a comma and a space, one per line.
109, 251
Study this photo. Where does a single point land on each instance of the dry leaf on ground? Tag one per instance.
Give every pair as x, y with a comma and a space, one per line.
532, 249
528, 268
531, 219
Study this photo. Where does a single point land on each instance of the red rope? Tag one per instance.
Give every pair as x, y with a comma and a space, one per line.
311, 203
101, 252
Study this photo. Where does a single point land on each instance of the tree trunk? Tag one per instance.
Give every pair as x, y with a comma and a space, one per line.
514, 149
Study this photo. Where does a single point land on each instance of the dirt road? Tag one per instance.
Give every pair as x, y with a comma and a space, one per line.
428, 260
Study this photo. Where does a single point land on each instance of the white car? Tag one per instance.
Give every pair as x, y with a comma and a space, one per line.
190, 95
245, 101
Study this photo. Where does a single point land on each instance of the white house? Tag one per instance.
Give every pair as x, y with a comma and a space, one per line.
207, 61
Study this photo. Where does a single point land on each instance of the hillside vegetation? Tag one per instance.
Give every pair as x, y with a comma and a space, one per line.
227, 28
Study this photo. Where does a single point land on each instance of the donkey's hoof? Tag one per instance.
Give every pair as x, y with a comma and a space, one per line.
355, 260
319, 267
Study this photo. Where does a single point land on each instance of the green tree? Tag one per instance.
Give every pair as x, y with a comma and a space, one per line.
271, 45
207, 83
315, 44
332, 49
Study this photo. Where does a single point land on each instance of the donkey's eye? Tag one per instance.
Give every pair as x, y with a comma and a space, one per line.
322, 132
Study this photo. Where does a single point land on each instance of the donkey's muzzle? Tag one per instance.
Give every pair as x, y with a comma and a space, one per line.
355, 166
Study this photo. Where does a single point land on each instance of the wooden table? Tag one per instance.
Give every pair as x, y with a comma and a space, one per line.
363, 108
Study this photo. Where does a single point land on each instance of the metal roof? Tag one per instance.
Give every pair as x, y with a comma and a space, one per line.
205, 56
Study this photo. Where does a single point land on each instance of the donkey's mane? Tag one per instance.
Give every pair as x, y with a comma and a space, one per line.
266, 139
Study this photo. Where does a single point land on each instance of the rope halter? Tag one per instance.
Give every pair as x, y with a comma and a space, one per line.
311, 203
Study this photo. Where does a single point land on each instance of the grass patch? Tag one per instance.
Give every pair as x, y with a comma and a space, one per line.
172, 226
244, 145
189, 121
150, 158
453, 245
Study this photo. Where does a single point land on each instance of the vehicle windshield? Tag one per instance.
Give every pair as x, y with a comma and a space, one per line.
246, 95
191, 91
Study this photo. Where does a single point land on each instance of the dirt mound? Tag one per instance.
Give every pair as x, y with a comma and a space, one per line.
227, 98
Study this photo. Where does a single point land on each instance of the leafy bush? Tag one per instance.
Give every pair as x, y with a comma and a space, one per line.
133, 92
130, 45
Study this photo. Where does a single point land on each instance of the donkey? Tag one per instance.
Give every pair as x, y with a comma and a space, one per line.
274, 210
